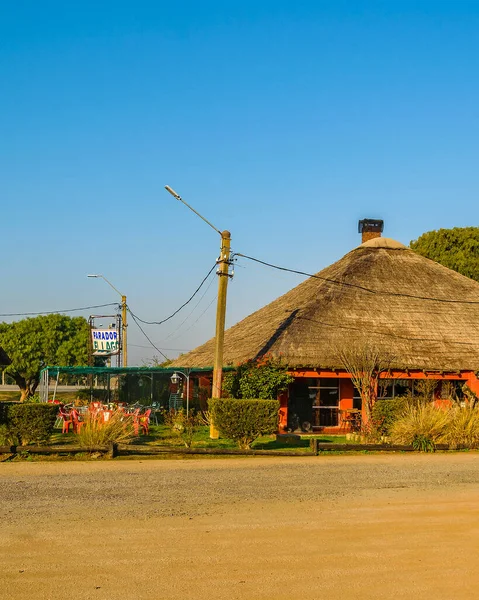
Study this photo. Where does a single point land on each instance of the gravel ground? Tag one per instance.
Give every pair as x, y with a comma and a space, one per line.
257, 513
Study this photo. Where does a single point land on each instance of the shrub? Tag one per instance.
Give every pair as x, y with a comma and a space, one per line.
30, 422
95, 432
4, 406
183, 425
463, 428
264, 378
422, 426
244, 420
386, 412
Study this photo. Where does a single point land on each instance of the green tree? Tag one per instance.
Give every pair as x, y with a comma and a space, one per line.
45, 340
264, 378
456, 248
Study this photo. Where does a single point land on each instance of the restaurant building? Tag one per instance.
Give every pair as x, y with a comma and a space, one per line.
412, 309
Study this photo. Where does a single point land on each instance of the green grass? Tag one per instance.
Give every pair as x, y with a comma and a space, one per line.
160, 435
11, 396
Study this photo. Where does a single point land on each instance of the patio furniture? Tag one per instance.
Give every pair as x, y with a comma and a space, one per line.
350, 419
76, 422
66, 420
144, 421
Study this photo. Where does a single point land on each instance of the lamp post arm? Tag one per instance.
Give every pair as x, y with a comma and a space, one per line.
111, 285
178, 197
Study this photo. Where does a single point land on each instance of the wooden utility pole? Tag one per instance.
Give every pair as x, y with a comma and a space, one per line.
124, 347
223, 274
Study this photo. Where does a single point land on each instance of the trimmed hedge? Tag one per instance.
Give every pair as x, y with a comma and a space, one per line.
29, 423
4, 406
244, 420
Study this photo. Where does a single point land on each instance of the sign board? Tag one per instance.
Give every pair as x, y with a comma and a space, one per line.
105, 342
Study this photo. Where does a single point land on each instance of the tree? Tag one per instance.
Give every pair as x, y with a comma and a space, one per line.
365, 363
456, 248
34, 343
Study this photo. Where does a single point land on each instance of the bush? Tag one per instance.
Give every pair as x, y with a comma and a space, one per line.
244, 420
421, 426
31, 423
263, 378
4, 406
95, 432
183, 425
463, 428
386, 412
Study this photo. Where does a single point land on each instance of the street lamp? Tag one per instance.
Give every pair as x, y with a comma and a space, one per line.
124, 347
224, 274
175, 380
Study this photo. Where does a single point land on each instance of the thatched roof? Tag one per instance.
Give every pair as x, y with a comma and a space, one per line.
307, 325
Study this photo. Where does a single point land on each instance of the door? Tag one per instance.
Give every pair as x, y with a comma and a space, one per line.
326, 406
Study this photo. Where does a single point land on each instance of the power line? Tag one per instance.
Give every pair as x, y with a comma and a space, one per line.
54, 312
194, 322
144, 333
170, 349
190, 313
356, 286
178, 309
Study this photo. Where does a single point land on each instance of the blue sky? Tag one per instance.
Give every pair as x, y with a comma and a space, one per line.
284, 122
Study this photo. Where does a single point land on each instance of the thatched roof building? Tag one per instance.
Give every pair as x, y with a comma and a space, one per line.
424, 314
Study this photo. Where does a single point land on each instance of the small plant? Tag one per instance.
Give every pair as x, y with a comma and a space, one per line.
244, 420
95, 432
422, 443
183, 425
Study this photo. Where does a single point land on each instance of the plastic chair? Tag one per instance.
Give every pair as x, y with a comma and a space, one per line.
135, 415
145, 421
77, 424
67, 420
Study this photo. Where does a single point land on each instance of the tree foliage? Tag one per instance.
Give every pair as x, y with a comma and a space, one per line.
456, 248
45, 340
263, 378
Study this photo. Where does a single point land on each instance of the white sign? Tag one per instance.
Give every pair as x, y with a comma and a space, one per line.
105, 341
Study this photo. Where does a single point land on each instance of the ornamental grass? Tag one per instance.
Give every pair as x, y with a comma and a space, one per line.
463, 428
96, 432
421, 426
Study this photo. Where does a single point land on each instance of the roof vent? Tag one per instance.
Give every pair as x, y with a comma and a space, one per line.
370, 229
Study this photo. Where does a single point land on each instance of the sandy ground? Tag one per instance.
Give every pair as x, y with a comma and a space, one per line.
359, 527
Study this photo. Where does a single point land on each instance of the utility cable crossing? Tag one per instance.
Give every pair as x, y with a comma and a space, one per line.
356, 286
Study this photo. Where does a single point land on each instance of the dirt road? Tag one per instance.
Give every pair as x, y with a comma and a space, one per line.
360, 527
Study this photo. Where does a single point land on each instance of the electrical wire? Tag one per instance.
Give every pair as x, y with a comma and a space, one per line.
356, 286
54, 312
194, 323
144, 333
167, 349
182, 306
190, 313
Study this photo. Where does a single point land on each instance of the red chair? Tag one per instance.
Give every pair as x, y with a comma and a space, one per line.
67, 420
145, 422
77, 424
135, 415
